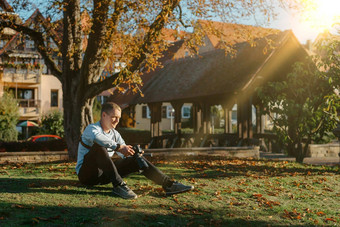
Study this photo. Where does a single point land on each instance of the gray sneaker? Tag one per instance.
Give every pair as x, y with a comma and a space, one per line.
176, 188
124, 191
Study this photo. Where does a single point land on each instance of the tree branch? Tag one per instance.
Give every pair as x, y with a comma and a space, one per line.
180, 17
93, 59
152, 34
38, 39
111, 26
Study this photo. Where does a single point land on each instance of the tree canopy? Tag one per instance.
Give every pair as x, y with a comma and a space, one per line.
305, 104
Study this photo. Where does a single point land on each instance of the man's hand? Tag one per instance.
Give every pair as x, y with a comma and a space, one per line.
126, 150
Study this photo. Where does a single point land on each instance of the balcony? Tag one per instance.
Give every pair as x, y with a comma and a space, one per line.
29, 76
29, 109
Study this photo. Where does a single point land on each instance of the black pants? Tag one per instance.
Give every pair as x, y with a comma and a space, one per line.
98, 168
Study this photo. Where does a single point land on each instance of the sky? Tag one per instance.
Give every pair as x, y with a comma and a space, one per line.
318, 16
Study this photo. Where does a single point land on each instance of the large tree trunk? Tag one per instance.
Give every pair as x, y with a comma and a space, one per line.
77, 115
299, 153
302, 151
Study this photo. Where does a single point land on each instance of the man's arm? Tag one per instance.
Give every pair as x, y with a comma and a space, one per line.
124, 149
94, 134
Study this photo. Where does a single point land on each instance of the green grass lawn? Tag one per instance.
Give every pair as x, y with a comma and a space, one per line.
227, 192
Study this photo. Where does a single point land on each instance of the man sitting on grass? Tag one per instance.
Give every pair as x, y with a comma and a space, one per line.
99, 142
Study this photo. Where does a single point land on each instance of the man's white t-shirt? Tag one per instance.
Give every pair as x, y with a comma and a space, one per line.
94, 133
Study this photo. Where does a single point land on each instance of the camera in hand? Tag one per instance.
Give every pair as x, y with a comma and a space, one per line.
139, 158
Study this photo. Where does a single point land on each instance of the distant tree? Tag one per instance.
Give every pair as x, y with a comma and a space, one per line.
9, 116
52, 123
96, 110
305, 104
133, 29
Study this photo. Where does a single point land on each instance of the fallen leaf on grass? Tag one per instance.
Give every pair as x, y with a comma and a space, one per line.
320, 213
34, 185
4, 172
240, 190
292, 214
107, 219
197, 212
330, 219
308, 210
328, 189
257, 195
237, 203
21, 207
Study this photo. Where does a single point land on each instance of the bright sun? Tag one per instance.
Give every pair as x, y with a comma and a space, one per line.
320, 15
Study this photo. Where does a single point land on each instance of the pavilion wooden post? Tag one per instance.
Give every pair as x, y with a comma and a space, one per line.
258, 119
156, 118
197, 117
227, 109
178, 116
206, 119
244, 123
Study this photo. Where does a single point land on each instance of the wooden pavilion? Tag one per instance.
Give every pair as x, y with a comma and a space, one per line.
214, 78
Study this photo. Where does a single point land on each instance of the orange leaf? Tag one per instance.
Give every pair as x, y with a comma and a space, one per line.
257, 195
330, 219
320, 213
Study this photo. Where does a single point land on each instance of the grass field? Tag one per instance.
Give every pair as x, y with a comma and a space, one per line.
231, 192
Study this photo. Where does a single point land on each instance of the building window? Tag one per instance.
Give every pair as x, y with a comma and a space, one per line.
145, 112
170, 113
164, 111
186, 111
30, 44
54, 98
21, 93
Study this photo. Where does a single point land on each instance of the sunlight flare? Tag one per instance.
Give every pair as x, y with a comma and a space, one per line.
320, 15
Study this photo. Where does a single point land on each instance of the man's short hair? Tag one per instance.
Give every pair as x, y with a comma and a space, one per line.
110, 106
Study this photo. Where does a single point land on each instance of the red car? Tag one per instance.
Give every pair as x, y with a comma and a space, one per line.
39, 138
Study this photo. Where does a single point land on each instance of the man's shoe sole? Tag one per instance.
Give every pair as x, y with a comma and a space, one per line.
125, 197
178, 192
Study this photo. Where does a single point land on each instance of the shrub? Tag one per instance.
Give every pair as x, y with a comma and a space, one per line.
9, 116
52, 123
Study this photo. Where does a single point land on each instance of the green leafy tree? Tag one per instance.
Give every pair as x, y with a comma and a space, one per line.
9, 116
53, 123
305, 103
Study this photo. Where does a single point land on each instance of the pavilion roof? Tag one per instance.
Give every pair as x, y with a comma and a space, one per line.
230, 33
210, 74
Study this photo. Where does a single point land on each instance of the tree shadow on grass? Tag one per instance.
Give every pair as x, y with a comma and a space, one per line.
122, 215
43, 185
62, 186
